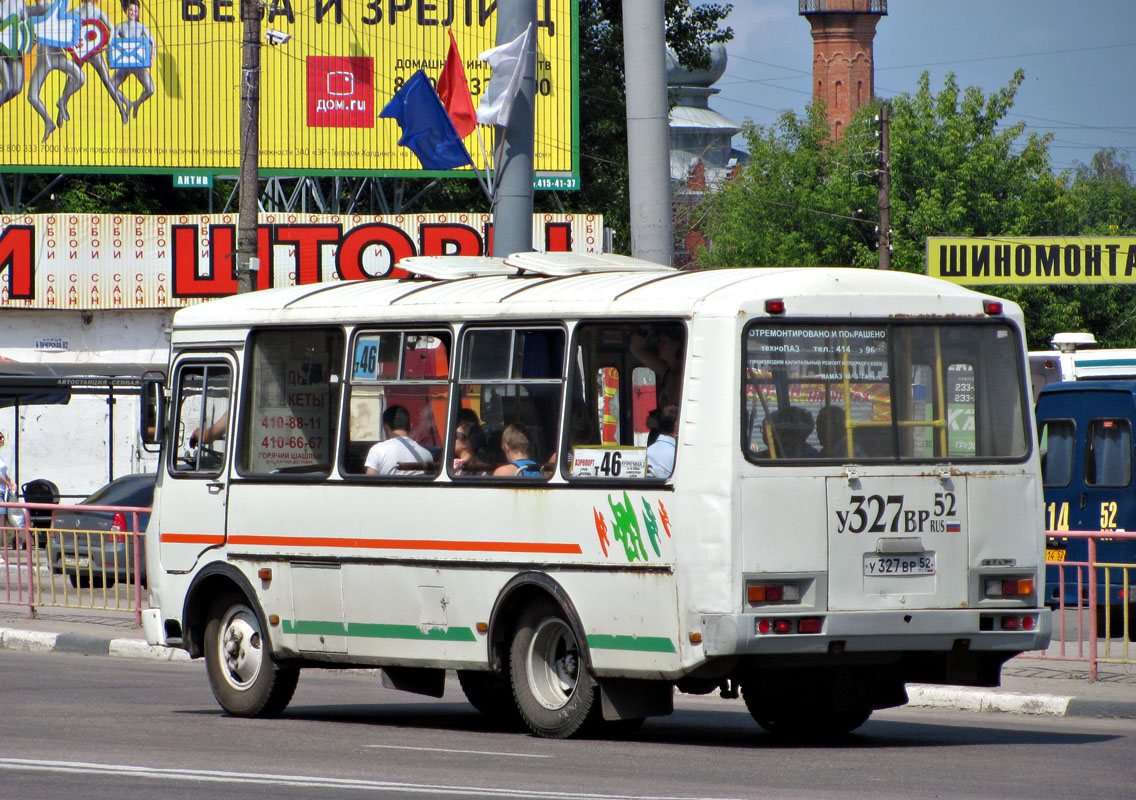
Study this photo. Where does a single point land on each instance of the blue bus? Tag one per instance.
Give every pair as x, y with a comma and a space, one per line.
1085, 431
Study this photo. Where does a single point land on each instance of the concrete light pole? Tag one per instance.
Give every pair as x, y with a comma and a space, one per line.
648, 132
513, 209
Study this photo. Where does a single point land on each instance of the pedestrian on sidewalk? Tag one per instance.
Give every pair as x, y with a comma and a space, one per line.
7, 485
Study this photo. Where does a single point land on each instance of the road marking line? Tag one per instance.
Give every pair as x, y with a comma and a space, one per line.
310, 781
450, 750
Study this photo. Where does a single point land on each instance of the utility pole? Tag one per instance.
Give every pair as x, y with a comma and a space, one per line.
249, 195
648, 130
883, 240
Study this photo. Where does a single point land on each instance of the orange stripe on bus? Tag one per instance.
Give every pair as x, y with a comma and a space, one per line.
192, 538
378, 544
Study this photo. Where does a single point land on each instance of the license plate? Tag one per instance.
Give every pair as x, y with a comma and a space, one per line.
914, 564
1054, 555
78, 563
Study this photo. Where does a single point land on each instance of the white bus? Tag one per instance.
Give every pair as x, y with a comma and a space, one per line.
1074, 357
343, 484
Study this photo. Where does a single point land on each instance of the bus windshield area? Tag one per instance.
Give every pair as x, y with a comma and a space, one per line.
893, 392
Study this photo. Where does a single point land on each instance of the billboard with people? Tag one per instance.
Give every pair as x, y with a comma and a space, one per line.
156, 84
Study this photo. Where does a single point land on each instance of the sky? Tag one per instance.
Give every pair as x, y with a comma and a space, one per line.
1079, 58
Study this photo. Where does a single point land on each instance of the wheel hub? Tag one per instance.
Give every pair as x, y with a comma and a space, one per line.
553, 664
241, 650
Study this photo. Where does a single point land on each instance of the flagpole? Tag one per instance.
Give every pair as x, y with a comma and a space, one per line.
488, 164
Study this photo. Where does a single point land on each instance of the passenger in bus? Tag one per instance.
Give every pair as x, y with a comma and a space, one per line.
469, 448
832, 433
664, 358
786, 432
211, 433
385, 457
515, 443
661, 452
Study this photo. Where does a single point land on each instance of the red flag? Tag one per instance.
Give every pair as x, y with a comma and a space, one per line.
454, 91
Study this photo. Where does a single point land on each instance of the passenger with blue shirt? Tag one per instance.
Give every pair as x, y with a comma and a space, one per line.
515, 443
661, 452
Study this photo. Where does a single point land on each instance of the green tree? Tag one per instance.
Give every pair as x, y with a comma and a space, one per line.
800, 201
955, 170
1102, 198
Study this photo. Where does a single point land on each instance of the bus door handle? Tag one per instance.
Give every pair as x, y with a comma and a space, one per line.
215, 487
1084, 500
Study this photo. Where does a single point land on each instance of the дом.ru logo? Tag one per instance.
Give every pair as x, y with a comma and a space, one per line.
341, 92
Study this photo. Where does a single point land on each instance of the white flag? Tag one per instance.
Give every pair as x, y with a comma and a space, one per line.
508, 64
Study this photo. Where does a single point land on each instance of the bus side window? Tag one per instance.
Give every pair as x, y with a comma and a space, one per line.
388, 370
621, 373
291, 402
509, 378
1108, 461
201, 419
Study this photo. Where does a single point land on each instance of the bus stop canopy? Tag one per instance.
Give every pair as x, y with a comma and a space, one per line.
26, 384
55, 383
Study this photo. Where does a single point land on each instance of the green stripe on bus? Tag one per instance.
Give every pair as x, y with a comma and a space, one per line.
1105, 362
642, 644
378, 631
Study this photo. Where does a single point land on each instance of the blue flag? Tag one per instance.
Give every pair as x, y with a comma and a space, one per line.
426, 127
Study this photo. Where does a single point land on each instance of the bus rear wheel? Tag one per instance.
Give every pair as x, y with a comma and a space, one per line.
818, 720
244, 677
555, 693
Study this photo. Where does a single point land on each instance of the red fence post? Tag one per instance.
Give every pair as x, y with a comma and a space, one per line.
1093, 607
137, 573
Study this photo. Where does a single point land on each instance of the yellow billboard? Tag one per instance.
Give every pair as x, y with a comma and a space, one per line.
155, 85
989, 260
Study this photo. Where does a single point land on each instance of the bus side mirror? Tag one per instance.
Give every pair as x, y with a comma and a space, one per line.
152, 409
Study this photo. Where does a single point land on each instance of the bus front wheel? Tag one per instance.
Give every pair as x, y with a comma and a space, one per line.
555, 694
244, 677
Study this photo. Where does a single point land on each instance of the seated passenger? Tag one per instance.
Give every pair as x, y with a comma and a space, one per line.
469, 448
398, 448
515, 443
832, 433
786, 433
661, 452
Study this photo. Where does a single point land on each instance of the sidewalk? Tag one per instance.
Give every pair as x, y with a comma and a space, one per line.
1029, 686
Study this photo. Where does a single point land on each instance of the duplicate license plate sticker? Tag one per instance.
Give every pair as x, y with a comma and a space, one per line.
907, 564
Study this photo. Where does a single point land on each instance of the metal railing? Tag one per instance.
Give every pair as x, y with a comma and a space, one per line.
69, 568
1095, 617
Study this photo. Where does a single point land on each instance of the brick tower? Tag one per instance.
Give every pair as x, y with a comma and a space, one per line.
843, 66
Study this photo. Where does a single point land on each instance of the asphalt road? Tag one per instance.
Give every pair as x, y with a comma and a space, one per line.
113, 728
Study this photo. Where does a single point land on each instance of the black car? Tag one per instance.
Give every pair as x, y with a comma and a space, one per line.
97, 547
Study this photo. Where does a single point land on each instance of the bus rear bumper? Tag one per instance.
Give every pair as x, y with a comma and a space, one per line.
877, 631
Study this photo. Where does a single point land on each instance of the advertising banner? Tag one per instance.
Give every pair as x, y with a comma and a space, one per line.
1032, 259
117, 261
156, 84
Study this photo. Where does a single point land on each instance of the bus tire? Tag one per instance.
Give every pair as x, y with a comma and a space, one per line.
817, 721
244, 677
492, 695
556, 696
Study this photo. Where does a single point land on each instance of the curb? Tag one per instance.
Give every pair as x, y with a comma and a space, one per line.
80, 644
967, 699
